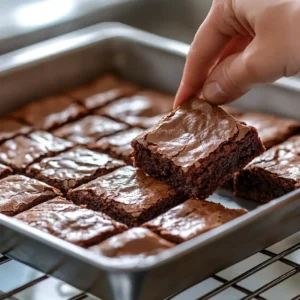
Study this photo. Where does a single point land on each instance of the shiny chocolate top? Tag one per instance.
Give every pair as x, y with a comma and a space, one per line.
136, 243
190, 219
192, 132
70, 222
9, 128
89, 129
50, 112
19, 193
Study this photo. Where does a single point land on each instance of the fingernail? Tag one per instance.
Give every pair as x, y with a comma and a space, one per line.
214, 93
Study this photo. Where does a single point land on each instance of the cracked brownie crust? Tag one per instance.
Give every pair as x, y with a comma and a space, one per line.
196, 148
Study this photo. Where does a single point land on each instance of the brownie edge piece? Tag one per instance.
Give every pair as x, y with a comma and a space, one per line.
19, 193
190, 219
127, 195
132, 245
72, 223
271, 175
196, 148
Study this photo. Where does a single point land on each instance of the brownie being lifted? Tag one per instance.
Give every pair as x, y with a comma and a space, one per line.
71, 223
190, 219
272, 174
196, 148
128, 195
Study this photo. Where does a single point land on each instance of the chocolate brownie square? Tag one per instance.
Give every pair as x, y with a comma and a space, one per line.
103, 98
101, 84
19, 193
128, 195
196, 148
73, 168
51, 112
133, 245
272, 130
89, 129
22, 151
190, 219
143, 110
72, 223
10, 128
118, 145
272, 174
5, 171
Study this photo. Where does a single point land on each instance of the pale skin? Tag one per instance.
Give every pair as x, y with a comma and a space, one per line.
242, 43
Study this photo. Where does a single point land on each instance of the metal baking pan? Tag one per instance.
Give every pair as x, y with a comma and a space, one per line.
155, 62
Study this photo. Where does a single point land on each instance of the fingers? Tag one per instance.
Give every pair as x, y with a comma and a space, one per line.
238, 73
205, 50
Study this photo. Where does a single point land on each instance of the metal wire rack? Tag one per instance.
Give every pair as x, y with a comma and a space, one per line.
288, 259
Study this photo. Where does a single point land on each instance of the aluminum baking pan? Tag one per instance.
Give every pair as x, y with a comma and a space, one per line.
156, 62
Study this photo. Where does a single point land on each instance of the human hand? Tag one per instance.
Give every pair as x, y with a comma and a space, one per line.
240, 44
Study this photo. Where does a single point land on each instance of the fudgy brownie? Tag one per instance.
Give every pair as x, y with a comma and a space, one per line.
89, 129
5, 171
143, 110
101, 99
22, 151
272, 130
272, 174
118, 145
50, 112
19, 193
101, 84
190, 219
10, 128
71, 223
128, 195
72, 168
132, 245
196, 148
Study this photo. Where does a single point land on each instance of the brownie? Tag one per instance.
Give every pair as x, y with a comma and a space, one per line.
272, 174
19, 193
272, 130
50, 112
190, 219
5, 171
127, 195
103, 98
101, 84
118, 145
10, 128
89, 129
71, 223
133, 245
143, 110
22, 151
196, 148
72, 168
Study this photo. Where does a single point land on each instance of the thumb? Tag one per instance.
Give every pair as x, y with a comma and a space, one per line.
237, 74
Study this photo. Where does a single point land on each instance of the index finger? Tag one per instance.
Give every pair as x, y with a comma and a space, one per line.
204, 52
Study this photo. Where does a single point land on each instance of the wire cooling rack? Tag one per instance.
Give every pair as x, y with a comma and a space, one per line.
271, 274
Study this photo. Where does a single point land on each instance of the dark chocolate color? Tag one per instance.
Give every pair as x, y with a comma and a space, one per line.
118, 145
19, 193
196, 148
127, 195
89, 129
133, 245
72, 168
22, 151
71, 223
190, 219
10, 128
272, 174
